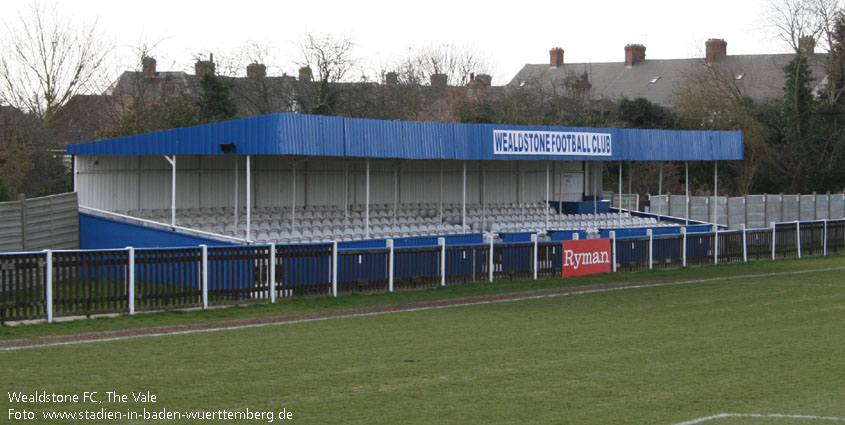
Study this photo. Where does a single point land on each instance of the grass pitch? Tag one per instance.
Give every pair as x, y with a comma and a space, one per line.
658, 355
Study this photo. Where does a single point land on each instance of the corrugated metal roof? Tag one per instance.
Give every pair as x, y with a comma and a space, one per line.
315, 135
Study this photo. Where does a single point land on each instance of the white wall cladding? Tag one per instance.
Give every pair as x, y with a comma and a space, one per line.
131, 183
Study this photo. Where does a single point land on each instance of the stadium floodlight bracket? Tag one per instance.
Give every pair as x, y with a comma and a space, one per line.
228, 147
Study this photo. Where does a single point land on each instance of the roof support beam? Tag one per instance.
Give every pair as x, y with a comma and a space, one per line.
464, 199
546, 206
660, 192
367, 204
236, 194
172, 160
716, 193
293, 196
686, 183
248, 198
440, 210
620, 186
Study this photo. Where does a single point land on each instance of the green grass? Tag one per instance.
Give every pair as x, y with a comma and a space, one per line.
320, 304
659, 355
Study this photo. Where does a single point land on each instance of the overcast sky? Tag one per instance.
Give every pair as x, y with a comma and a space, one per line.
509, 34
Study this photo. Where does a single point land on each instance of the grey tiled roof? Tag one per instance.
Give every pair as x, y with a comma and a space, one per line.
762, 76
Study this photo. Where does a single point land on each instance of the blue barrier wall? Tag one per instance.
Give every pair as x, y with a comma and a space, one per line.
640, 232
103, 233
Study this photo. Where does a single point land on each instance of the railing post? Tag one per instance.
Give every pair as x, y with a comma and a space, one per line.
204, 276
613, 249
534, 255
390, 266
575, 236
490, 265
130, 277
334, 268
798, 237
715, 244
271, 273
650, 235
824, 246
683, 246
48, 289
744, 244
774, 235
442, 243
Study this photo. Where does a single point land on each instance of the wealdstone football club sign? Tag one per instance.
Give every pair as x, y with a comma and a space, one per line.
562, 143
583, 257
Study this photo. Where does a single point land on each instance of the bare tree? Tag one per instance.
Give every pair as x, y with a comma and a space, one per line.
47, 60
456, 62
329, 56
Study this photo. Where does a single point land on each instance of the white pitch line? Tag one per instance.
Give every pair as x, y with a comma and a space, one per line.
758, 415
464, 304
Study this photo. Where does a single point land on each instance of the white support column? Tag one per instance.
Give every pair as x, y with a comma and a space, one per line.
744, 244
630, 181
774, 235
620, 186
390, 265
613, 249
76, 172
248, 198
715, 244
293, 197
546, 204
271, 273
172, 160
481, 189
521, 191
650, 235
130, 278
48, 285
686, 183
345, 194
683, 246
798, 237
440, 207
716, 193
367, 204
660, 192
594, 176
204, 275
824, 240
236, 193
395, 191
334, 268
464, 200
442, 243
490, 264
534, 265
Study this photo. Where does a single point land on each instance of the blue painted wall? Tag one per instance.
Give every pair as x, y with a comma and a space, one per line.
102, 233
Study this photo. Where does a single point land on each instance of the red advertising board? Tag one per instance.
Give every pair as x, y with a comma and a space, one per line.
583, 257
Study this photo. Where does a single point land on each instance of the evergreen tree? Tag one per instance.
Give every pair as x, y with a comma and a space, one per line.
215, 103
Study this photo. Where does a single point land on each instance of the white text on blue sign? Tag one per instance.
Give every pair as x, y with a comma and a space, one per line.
518, 142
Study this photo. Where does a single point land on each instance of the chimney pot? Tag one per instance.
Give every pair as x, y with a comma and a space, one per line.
204, 67
305, 74
555, 57
149, 66
806, 45
439, 80
256, 70
716, 48
391, 79
633, 54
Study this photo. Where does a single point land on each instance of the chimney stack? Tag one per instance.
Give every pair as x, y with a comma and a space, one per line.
555, 57
256, 70
633, 54
148, 64
716, 48
806, 45
205, 67
439, 80
391, 78
305, 74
